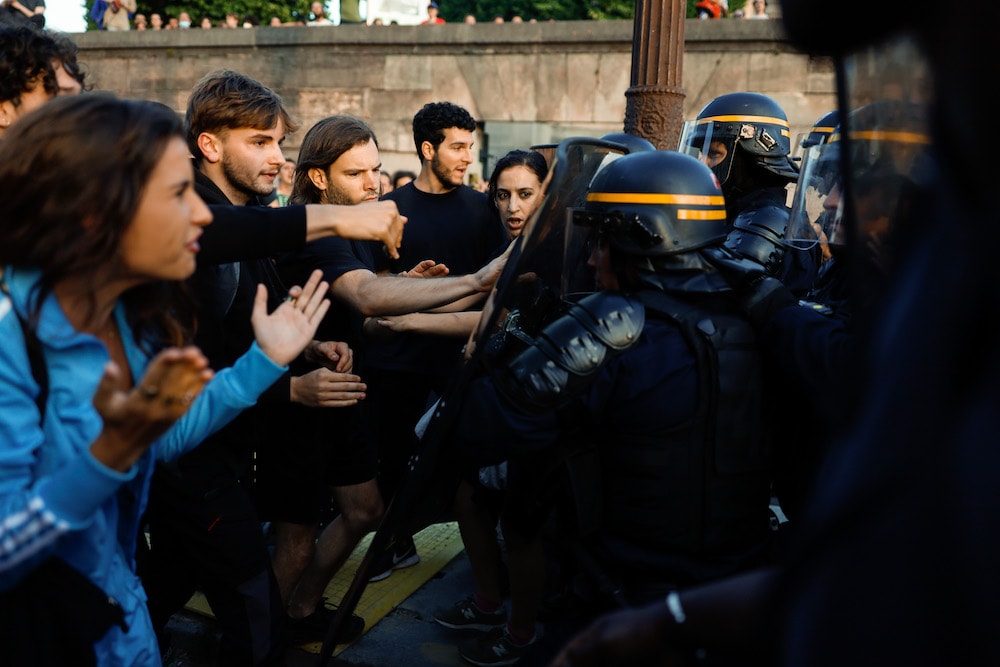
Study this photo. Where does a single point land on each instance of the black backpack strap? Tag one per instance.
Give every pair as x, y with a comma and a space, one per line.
36, 358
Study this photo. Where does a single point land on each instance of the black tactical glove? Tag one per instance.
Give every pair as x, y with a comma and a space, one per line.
758, 293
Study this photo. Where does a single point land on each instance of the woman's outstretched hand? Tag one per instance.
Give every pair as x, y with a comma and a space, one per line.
134, 418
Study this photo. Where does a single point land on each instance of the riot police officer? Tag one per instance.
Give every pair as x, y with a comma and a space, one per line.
746, 140
811, 343
821, 131
626, 379
899, 563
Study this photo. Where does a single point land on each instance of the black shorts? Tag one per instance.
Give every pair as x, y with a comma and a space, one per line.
320, 448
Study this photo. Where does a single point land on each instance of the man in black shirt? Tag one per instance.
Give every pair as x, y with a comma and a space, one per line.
204, 529
339, 163
451, 223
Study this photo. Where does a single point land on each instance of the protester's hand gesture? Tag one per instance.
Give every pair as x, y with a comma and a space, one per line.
487, 275
333, 354
427, 268
323, 388
373, 221
134, 418
283, 334
333, 385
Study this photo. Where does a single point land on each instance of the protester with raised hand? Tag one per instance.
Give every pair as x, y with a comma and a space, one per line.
101, 224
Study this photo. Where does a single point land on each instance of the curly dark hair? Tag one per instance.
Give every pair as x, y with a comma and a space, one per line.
72, 175
68, 51
28, 54
434, 118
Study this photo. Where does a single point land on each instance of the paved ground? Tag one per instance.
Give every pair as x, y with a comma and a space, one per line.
406, 636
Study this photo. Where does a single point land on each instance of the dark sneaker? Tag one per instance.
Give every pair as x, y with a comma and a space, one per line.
312, 628
494, 648
466, 615
403, 555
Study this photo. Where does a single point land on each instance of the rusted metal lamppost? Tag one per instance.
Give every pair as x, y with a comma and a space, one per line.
654, 102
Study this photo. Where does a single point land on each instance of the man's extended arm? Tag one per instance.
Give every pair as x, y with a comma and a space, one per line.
252, 232
459, 324
372, 294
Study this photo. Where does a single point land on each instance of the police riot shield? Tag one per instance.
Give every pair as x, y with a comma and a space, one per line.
885, 165
541, 273
550, 266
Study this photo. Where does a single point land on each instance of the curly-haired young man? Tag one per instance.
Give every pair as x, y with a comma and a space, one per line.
35, 66
452, 224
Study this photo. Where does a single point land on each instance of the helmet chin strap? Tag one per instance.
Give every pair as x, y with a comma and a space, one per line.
746, 175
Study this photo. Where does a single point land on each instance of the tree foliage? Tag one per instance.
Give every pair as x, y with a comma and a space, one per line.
216, 10
453, 11
541, 10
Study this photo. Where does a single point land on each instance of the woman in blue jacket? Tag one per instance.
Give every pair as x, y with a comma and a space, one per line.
100, 225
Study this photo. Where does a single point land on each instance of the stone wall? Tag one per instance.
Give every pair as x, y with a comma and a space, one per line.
528, 83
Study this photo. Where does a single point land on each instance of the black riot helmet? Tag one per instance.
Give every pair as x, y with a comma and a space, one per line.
821, 130
888, 156
633, 143
739, 127
655, 203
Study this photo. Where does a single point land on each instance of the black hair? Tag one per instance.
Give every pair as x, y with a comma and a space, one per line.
27, 53
533, 160
434, 118
402, 173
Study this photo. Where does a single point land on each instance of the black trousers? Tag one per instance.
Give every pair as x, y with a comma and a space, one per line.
205, 535
396, 401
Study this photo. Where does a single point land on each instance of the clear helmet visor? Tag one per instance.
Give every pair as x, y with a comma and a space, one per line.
817, 205
700, 140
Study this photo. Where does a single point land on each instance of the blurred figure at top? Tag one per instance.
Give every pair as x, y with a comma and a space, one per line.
432, 15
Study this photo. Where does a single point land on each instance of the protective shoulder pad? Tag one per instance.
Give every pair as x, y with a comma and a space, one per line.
614, 318
759, 234
571, 349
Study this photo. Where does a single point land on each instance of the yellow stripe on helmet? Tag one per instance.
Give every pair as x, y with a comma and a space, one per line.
743, 119
701, 214
890, 135
655, 198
